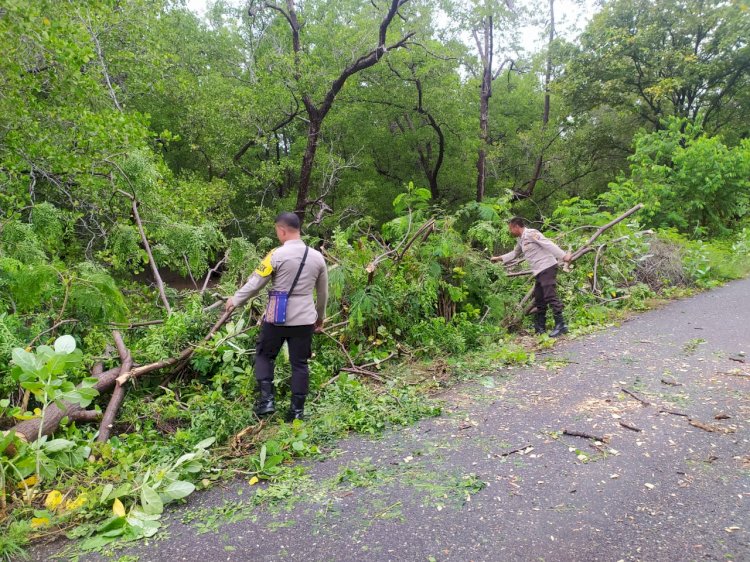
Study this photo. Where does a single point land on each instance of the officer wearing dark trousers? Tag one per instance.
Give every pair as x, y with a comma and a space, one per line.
292, 315
545, 296
542, 255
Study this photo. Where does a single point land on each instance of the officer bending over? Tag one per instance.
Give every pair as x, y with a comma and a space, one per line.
543, 256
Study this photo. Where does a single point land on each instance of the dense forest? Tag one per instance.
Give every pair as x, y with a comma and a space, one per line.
144, 152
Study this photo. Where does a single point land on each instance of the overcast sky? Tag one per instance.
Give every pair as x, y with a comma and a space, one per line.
570, 15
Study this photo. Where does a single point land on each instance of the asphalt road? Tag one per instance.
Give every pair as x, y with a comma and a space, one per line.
452, 489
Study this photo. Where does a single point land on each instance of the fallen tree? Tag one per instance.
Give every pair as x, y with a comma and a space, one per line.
29, 429
112, 379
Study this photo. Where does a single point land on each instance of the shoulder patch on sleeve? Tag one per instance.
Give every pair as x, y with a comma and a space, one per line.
265, 268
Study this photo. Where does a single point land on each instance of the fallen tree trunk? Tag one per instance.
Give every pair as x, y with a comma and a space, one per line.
29, 429
106, 381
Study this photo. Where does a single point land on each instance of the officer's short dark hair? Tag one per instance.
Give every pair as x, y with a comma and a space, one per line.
517, 221
289, 220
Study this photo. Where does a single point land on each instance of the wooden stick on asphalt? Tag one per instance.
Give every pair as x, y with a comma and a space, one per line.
634, 395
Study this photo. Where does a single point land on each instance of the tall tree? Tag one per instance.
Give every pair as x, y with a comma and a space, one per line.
528, 189
686, 58
317, 109
415, 122
488, 21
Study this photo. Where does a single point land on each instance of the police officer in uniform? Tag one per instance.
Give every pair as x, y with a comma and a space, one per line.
304, 315
543, 256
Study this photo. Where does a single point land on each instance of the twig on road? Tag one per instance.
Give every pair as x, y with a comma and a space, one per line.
665, 411
631, 427
573, 433
634, 395
513, 451
708, 427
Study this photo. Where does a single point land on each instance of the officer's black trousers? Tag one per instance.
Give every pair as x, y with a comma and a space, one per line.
545, 291
299, 341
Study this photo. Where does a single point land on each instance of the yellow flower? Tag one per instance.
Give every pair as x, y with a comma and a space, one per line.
253, 481
54, 499
39, 521
76, 503
30, 481
117, 508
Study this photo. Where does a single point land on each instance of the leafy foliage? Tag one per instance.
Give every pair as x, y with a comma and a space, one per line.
686, 180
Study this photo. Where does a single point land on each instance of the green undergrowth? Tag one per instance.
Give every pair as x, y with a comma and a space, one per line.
438, 315
164, 427
173, 423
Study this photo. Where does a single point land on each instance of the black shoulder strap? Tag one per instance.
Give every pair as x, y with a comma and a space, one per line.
299, 271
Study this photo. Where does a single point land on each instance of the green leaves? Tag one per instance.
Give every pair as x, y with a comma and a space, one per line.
25, 360
158, 486
178, 490
150, 501
44, 373
662, 59
65, 344
57, 445
686, 180
414, 199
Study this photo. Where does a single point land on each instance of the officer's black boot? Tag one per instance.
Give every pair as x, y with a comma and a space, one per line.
560, 326
296, 408
540, 322
264, 405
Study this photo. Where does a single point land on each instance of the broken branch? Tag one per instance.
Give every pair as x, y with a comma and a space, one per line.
672, 412
147, 247
118, 394
573, 433
512, 451
213, 270
709, 427
634, 395
186, 354
587, 246
631, 427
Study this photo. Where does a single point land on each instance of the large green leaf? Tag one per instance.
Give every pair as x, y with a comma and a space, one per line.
178, 490
150, 501
57, 445
25, 360
65, 344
